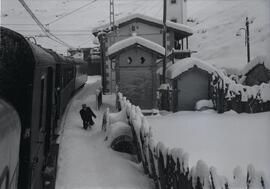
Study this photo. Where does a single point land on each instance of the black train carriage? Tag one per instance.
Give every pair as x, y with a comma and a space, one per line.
10, 131
27, 78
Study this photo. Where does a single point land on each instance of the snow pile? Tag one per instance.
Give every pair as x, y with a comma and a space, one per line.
223, 140
135, 40
183, 65
117, 129
172, 25
204, 104
264, 60
209, 142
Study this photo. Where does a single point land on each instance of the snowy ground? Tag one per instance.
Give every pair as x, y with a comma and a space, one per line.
85, 161
221, 140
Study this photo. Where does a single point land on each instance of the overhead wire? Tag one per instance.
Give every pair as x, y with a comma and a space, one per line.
42, 27
65, 15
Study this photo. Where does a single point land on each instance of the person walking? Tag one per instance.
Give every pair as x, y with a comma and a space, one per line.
86, 115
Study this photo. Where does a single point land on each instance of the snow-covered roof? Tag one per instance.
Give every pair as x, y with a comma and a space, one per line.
183, 65
265, 60
170, 25
135, 40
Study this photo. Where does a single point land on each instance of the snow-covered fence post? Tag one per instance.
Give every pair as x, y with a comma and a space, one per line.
105, 120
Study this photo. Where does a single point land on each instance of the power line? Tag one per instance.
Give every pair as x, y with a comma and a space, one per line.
44, 29
70, 12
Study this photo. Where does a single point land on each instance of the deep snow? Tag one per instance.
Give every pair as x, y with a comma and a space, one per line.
85, 161
221, 140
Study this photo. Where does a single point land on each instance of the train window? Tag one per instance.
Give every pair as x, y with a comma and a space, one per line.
41, 101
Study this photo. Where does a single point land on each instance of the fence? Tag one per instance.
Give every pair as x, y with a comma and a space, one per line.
228, 95
169, 168
98, 98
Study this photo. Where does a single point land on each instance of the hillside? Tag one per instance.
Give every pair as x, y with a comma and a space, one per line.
215, 24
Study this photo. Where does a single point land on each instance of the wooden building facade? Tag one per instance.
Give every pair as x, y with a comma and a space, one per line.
135, 67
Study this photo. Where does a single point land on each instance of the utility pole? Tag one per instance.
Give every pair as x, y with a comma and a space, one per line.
112, 14
247, 39
164, 39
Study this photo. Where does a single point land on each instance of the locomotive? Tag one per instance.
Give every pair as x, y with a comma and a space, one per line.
36, 85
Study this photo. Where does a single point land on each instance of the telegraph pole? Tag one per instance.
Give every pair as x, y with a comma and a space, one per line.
164, 39
247, 39
112, 14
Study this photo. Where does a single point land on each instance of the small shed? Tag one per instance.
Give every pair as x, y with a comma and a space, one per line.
135, 69
257, 71
190, 80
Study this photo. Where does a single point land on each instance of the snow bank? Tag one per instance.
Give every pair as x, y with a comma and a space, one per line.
135, 40
222, 140
172, 25
117, 129
264, 60
225, 140
204, 104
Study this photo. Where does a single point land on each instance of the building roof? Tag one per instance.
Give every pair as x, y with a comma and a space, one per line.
120, 45
264, 60
182, 65
180, 28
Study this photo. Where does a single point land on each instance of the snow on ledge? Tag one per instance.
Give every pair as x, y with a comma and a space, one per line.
265, 60
183, 65
135, 40
176, 26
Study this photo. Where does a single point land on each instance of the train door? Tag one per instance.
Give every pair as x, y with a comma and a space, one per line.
49, 108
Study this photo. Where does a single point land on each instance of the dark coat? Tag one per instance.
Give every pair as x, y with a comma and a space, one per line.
87, 114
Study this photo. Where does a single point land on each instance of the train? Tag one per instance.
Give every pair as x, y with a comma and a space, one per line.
36, 84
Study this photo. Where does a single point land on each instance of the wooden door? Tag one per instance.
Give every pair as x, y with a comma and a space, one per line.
192, 86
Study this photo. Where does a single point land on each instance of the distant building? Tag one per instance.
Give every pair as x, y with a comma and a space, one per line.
144, 26
91, 56
135, 67
257, 71
177, 11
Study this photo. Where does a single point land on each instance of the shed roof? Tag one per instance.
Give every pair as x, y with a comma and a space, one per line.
263, 59
120, 45
180, 28
183, 65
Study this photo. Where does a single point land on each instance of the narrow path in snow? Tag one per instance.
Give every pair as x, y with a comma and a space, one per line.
85, 162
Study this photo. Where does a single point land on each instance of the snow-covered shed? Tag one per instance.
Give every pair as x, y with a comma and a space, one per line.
135, 68
257, 71
190, 80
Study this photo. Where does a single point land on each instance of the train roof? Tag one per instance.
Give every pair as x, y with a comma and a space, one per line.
13, 42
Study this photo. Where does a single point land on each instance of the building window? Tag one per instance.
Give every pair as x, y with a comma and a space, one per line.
142, 60
133, 28
173, 1
129, 60
174, 20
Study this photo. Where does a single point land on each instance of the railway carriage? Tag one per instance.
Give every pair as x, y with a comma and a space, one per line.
38, 83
